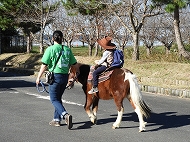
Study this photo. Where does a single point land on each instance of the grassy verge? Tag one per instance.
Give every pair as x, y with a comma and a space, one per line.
158, 69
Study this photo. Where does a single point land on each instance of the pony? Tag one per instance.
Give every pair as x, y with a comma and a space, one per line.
121, 84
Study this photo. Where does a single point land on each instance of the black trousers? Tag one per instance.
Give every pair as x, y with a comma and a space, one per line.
96, 74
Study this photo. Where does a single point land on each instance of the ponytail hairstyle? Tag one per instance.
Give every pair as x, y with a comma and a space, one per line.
58, 36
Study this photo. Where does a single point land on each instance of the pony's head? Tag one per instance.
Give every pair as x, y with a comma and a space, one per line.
71, 81
73, 75
79, 73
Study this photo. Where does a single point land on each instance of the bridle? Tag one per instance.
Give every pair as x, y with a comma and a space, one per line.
71, 83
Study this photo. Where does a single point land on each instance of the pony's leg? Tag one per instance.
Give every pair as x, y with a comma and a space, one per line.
117, 123
95, 109
142, 123
88, 110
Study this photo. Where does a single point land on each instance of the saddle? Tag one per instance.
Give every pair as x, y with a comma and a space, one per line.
102, 77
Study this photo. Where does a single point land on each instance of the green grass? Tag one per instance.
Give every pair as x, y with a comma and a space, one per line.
80, 51
35, 49
157, 65
158, 53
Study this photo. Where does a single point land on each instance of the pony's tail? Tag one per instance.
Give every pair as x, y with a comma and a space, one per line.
136, 95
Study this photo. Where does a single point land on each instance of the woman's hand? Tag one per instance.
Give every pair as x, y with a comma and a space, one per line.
42, 69
37, 81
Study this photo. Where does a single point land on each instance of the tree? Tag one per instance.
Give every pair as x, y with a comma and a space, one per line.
148, 38
67, 24
174, 6
7, 26
132, 15
28, 13
28, 28
38, 12
184, 25
165, 31
119, 33
7, 7
94, 9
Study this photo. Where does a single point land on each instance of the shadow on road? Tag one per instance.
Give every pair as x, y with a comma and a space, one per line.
15, 84
160, 121
167, 120
13, 74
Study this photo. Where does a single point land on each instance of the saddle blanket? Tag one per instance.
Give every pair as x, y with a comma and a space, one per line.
103, 77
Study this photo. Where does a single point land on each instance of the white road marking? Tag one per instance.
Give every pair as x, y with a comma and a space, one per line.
9, 92
48, 98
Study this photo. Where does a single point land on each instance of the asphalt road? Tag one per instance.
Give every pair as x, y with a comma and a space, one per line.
25, 114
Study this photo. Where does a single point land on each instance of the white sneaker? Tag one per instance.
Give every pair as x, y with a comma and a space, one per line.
93, 90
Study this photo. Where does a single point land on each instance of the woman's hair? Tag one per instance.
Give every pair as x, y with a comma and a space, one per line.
58, 36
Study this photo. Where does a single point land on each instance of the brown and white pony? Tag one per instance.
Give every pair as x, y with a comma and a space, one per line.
121, 84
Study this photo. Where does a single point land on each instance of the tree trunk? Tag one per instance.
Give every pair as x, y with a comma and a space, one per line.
135, 55
42, 30
181, 49
89, 50
96, 50
69, 43
41, 41
28, 46
29, 43
96, 45
147, 51
167, 51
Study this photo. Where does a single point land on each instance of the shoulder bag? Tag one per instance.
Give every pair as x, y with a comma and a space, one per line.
49, 74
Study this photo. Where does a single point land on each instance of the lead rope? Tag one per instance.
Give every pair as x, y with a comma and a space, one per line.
43, 86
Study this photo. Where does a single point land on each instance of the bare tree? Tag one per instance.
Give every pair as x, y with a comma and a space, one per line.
67, 24
184, 25
88, 32
37, 12
165, 31
95, 10
132, 15
174, 7
148, 38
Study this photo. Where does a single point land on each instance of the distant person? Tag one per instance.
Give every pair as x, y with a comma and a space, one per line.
104, 62
57, 88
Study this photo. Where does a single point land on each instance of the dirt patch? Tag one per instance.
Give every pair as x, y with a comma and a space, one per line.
21, 60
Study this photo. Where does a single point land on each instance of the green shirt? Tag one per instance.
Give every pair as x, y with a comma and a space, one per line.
65, 61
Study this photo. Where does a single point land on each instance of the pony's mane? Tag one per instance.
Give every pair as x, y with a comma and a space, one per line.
84, 71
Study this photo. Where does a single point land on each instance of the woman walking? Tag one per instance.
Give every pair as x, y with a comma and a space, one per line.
60, 68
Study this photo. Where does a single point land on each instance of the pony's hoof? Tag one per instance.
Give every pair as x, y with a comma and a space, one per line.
93, 121
142, 127
115, 127
141, 130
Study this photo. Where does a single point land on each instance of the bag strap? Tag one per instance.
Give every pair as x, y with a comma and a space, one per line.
57, 59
